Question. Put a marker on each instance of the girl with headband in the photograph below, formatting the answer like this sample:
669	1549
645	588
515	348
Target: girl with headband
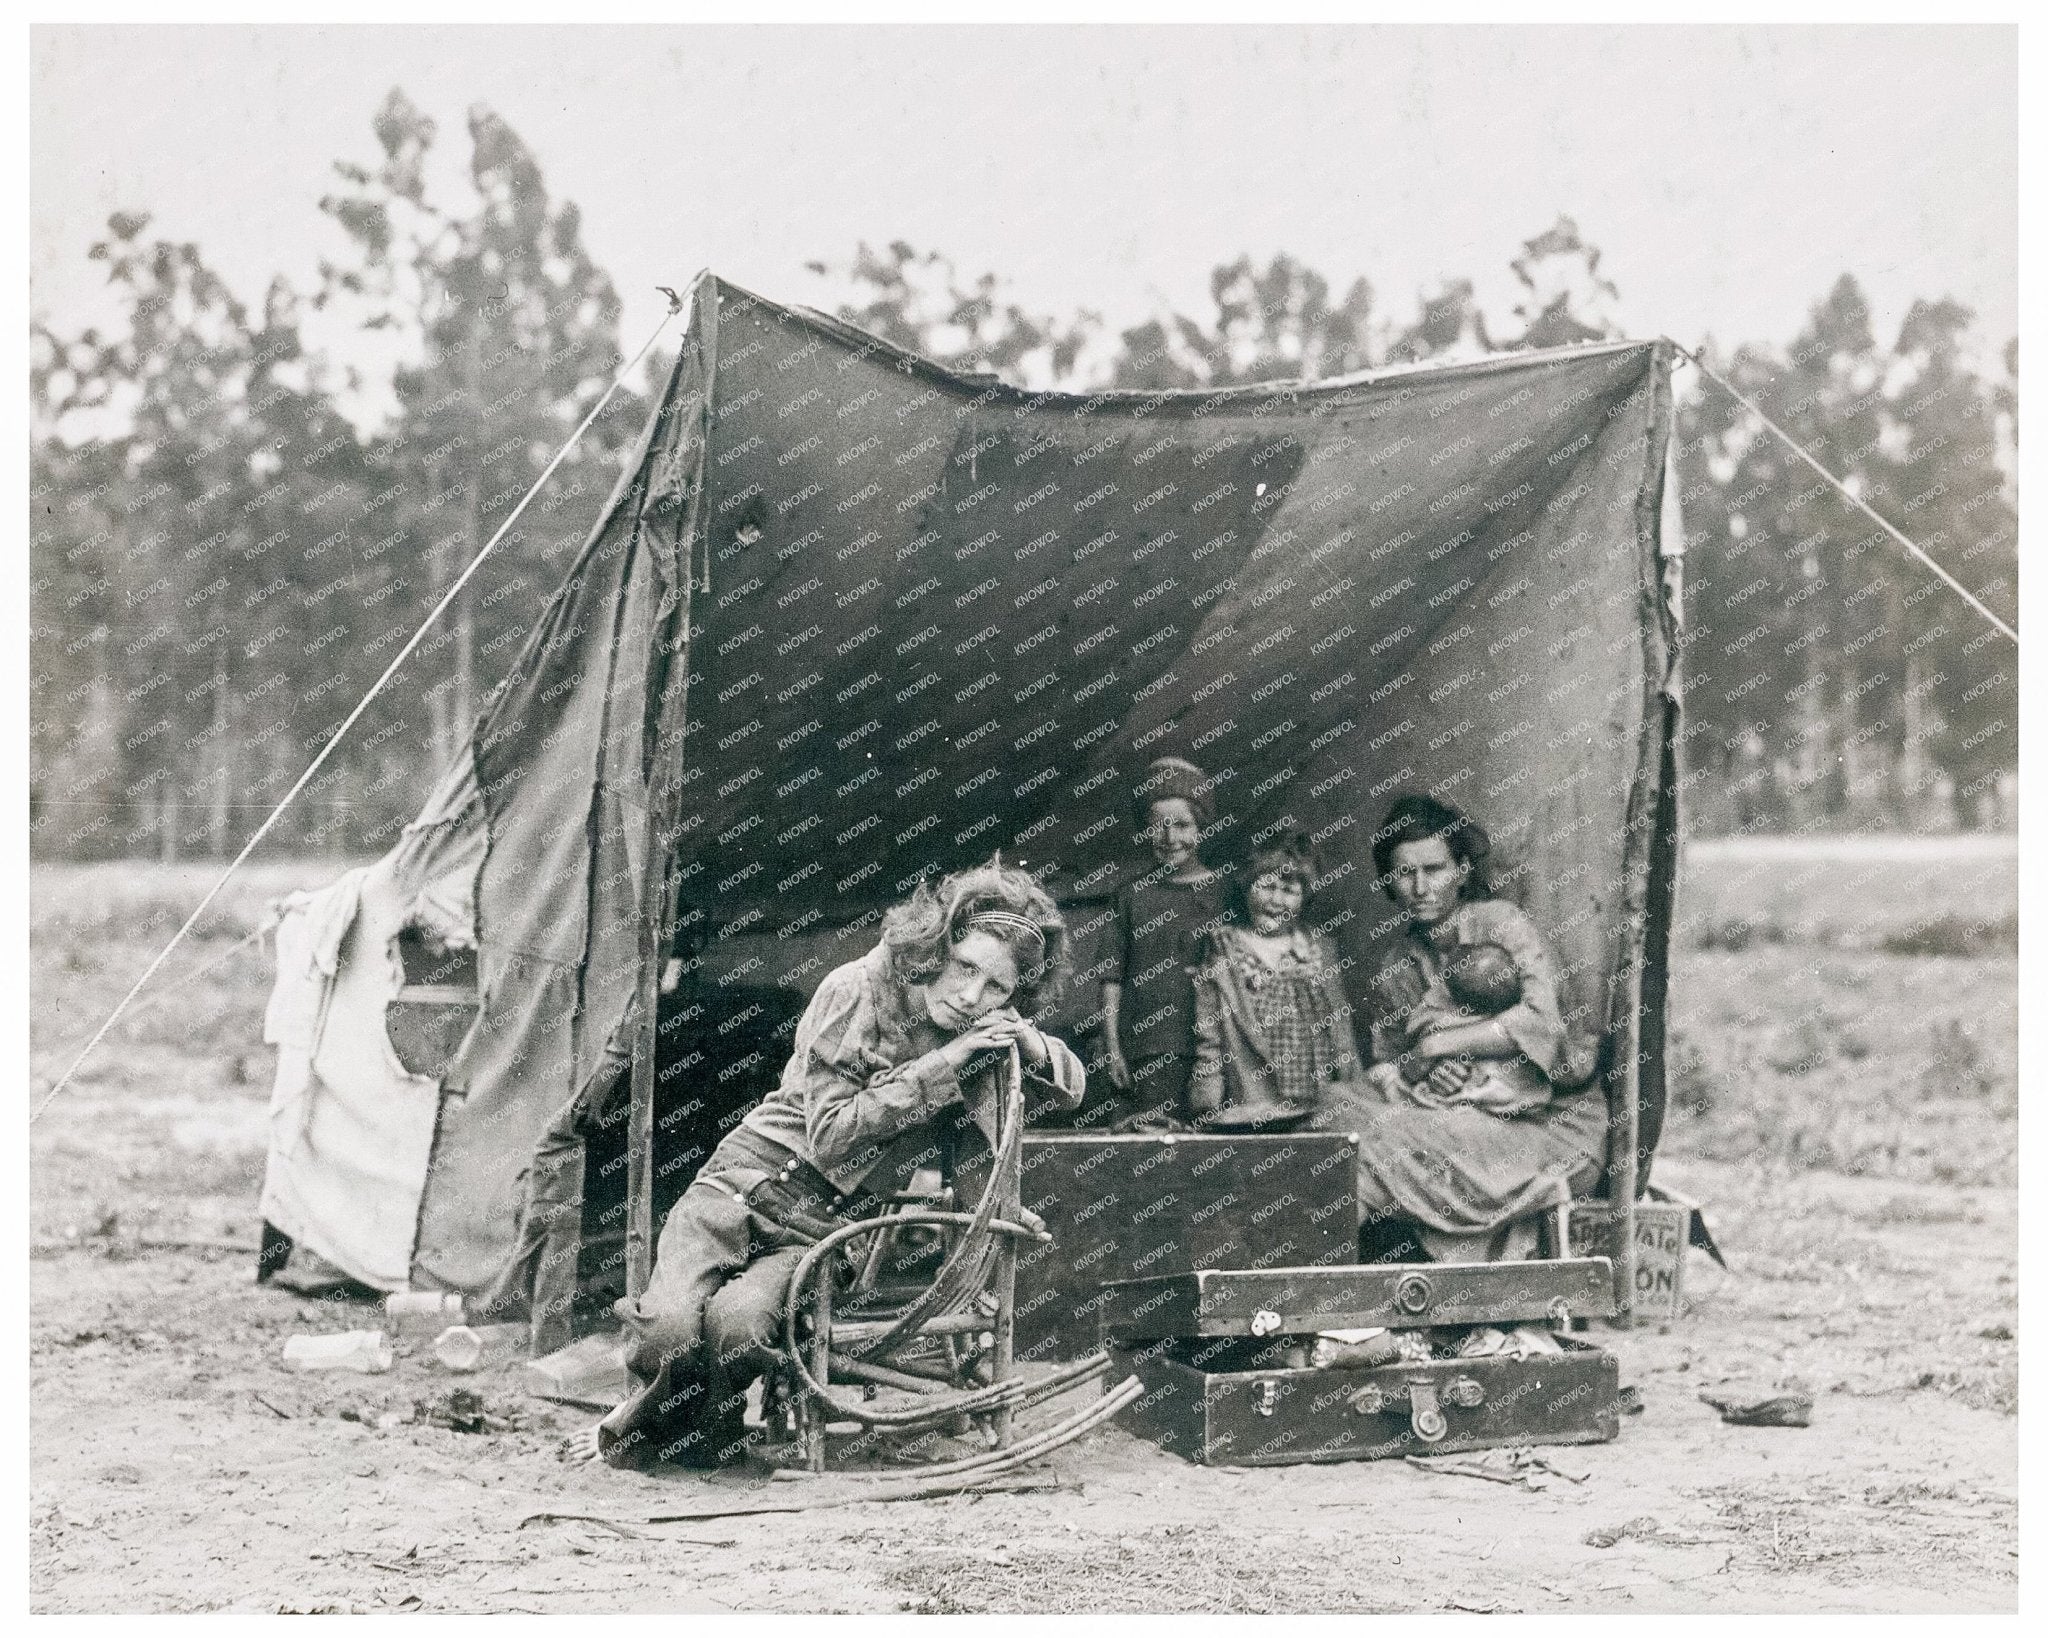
893	1050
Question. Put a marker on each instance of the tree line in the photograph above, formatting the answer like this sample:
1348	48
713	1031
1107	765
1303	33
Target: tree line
226	549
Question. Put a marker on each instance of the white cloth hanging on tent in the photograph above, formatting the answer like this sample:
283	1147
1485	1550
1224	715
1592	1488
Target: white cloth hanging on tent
308	955
351	1130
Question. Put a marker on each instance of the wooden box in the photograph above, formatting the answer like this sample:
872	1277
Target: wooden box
1662	1231
1238	1401
1136	1206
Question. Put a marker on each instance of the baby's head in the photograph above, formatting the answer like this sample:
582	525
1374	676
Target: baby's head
1482	978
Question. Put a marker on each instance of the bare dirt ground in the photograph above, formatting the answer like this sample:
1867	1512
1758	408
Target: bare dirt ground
1845	1107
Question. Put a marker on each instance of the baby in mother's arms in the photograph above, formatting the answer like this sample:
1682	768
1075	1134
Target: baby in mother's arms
1480	982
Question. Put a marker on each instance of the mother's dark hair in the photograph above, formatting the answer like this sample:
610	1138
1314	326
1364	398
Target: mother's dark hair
921	932
1416	818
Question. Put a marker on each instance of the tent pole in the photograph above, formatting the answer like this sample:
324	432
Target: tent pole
1624	1124
640	1118
657	891
1624	1142
1652	984
658	878
658	887
657	910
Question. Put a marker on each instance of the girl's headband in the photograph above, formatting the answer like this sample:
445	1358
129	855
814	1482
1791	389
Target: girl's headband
1010	920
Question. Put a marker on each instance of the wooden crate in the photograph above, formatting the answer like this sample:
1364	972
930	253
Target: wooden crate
1662	1231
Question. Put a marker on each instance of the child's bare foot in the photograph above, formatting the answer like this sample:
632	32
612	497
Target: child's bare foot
581	1446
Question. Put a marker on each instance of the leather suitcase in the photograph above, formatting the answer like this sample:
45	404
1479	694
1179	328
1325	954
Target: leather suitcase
1238	1401
1215	1302
1144	1206
1224	1353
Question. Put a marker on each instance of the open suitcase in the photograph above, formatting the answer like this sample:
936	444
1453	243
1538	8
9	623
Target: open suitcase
1224	1356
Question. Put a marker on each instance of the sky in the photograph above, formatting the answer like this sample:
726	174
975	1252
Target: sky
1729	174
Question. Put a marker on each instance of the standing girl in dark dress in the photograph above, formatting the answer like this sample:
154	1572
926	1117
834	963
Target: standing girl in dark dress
1148	1007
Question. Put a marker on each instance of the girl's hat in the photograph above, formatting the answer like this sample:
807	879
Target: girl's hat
1170	777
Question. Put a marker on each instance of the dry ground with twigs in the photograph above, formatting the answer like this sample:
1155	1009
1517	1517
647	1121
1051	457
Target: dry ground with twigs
1846	1100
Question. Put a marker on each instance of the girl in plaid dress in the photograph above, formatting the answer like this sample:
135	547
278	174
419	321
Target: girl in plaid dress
1273	1033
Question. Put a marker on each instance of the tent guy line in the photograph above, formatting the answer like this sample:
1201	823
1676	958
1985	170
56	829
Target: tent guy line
1848	494
447	598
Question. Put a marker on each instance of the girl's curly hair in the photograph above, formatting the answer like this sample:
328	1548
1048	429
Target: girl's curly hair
920	932
1291	858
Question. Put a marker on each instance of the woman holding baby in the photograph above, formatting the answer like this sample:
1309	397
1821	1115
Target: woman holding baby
1466	1011
1467	1040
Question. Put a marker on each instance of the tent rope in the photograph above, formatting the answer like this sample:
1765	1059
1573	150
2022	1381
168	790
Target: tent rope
1848	494
262	929
448	597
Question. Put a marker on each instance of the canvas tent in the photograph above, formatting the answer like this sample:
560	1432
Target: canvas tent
849	618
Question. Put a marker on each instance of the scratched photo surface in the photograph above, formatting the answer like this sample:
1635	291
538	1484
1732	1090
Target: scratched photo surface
1044	821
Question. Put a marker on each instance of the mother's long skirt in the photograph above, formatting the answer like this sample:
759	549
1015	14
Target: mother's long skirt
1473	1182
